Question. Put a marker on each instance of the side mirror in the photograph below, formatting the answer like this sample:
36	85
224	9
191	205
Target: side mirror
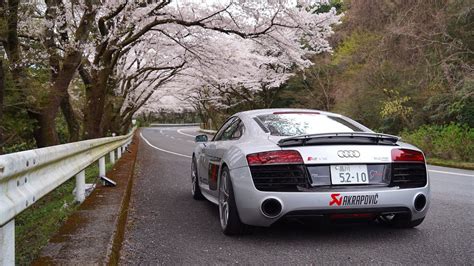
201	138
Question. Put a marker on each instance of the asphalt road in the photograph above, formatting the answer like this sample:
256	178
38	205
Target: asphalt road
166	226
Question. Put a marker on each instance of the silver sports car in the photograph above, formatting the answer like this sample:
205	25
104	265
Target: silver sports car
265	165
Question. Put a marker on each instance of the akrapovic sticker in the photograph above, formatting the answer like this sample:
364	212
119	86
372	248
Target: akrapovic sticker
340	200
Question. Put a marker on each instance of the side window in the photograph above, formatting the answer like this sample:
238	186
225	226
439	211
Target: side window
239	131
224	127
229	132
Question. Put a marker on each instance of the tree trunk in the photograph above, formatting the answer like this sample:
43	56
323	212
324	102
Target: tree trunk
115	122
45	133
95	104
71	119
111	118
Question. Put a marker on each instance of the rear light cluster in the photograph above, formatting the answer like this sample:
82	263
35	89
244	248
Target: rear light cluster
275	157
405	155
281	170
408	169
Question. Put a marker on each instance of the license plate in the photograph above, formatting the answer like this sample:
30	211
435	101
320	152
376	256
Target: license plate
349	174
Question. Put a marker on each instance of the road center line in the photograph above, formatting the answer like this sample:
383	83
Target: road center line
449	173
163	150
182	133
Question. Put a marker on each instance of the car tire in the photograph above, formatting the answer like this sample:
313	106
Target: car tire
400	220
230	221
196	190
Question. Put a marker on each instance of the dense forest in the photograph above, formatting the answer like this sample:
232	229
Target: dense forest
399	67
395	66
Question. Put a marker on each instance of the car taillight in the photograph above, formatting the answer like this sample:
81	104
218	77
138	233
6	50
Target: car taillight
275	157
404	155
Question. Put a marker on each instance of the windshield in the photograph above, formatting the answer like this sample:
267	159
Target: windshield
293	124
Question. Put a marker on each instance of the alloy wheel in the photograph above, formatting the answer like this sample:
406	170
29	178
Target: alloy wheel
224	200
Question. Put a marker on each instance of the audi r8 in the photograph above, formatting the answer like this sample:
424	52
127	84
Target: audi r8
265	165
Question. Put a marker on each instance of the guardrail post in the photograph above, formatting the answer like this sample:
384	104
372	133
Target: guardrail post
112	156
119	152
102	166
81	186
7	243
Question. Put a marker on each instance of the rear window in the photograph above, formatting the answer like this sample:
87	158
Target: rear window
293	124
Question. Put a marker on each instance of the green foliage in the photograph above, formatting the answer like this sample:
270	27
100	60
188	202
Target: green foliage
37	224
166	117
356	48
39	84
326	7
450	142
394	69
16	123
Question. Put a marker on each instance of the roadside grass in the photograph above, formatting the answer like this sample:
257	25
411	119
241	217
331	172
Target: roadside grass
37	224
450	145
451	163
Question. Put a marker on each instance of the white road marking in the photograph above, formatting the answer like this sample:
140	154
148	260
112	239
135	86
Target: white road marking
449	173
182	133
163	150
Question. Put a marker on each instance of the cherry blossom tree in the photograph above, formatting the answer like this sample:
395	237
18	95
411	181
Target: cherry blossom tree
126	51
234	60
49	36
229	70
197	31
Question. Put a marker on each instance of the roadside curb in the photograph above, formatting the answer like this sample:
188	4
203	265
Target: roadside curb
450	165
113	254
208	131
93	234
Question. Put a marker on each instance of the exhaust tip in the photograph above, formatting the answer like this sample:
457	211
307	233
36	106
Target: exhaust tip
271	207
420	202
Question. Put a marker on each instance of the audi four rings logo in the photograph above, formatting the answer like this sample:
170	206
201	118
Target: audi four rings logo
348	154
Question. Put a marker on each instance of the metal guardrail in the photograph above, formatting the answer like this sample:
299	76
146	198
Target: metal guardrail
27	176
208	131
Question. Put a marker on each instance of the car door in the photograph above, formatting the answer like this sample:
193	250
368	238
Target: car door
207	161
220	144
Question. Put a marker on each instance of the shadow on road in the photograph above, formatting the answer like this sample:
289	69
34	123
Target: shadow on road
316	229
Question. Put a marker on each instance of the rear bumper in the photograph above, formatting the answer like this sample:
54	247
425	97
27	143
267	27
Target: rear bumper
358	200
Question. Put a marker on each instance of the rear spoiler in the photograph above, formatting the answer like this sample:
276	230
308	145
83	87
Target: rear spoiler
363	138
